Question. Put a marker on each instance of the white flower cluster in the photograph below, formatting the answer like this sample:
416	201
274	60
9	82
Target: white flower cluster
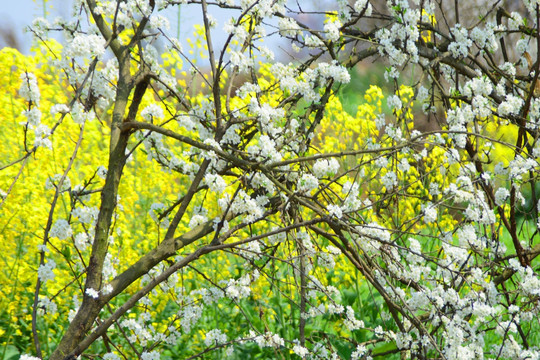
28	357
208	295
501	195
251	250
189	316
511	106
240	288
529	282
313	41
534	115
132	9
267	115
243	62
477	87
300	351
151	112
46	305
45	271
306	183
389	180
263	8
403	33
325	168
307	83
33	117
260	181
248	89
486	38
103	83
152	355
140	332
29	89
520	166
394	102
289	27
244	204
267	339
93	293
331	29
215	183
86	215
79	115
215	337
85	46
333	71
430	213
522	45
515	21
59	108
352	201
334	210
111	356
108	266
61	229
468	238
458	119
360	353
156	209
196	220
351	322
52	183
461	44
101	172
326	259
81	241
30	92
265	150
363	5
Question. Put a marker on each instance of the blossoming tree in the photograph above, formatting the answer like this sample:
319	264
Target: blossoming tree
188	210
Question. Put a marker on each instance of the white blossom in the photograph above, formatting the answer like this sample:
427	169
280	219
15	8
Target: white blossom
152	355
300	351
307	183
394	102
29	88
215	337
45	271
94	294
501	195
86	46
288	27
460	47
511	106
325	168
430	213
28	357
331	29
61	229
111	356
80	115
351	322
334	210
152	112
360	5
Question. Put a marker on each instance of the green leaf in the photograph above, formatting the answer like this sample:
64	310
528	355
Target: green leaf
384	348
10	353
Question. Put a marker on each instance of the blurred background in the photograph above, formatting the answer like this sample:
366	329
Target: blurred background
17	15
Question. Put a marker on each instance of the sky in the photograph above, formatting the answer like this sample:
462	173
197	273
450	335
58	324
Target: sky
18	14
